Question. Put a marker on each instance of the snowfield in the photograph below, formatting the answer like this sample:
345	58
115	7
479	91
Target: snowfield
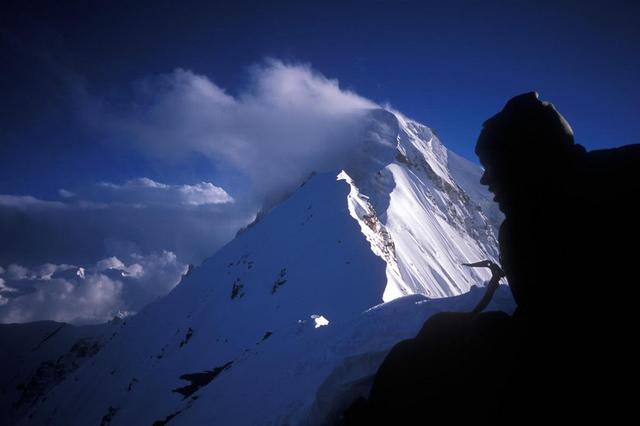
288	323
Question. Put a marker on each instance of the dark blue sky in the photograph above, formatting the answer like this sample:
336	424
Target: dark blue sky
448	64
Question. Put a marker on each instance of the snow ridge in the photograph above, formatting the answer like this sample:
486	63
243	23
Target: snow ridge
288	318
427	224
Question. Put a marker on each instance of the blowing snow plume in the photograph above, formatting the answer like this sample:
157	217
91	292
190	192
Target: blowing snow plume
288	122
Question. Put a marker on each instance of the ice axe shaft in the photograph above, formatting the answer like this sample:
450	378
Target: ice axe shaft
496	274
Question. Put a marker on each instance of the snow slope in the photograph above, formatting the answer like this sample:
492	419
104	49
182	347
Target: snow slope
422	204
285	324
38	355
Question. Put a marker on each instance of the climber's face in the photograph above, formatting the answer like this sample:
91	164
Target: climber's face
502	167
489	179
524	149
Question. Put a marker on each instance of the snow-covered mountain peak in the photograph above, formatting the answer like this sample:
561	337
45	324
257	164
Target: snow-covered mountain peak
243	327
414	213
387	136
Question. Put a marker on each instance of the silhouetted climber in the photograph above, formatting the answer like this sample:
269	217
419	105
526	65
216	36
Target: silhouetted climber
492	286
571	223
562	205
567	247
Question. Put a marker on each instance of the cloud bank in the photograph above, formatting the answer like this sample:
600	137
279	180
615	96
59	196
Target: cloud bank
48	267
108	219
147	192
288	122
90	294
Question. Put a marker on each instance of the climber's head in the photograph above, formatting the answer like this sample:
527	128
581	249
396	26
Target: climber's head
522	146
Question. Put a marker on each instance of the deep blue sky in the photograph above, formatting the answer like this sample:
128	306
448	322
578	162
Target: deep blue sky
448	64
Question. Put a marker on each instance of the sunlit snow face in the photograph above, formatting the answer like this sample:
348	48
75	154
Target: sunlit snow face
319	321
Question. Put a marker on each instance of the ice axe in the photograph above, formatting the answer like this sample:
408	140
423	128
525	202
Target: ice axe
496	274
496	270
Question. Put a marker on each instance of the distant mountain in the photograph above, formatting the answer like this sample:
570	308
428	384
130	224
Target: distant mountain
286	324
37	356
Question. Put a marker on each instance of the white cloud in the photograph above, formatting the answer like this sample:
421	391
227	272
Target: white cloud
95	293
141	192
5	289
288	122
27	202
110	263
96	300
203	193
65	194
17	272
109	219
145	192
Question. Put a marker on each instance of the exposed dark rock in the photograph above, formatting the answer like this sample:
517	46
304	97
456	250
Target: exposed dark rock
106	419
166	419
162	352
236	289
279	281
187	337
199	380
86	347
50	373
132	384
